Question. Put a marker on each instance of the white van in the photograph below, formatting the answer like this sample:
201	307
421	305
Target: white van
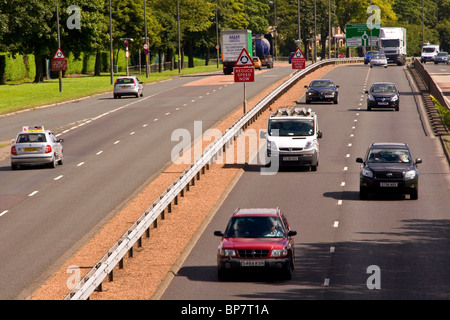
429	52
293	136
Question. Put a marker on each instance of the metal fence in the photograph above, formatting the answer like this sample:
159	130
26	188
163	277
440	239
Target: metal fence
104	267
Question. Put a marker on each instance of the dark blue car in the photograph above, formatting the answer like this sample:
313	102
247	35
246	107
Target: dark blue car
369	55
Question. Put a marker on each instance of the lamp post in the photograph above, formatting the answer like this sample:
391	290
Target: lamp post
111	60
217	36
146	41
179	36
59	45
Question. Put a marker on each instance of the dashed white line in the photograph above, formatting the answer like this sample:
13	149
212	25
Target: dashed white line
80	164
131	133
58	177
345	168
33	193
336	224
116	142
339	204
167	113
99	153
4	212
343	184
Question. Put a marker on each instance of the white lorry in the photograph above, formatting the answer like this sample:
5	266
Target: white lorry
293	137
232	42
392	43
429	52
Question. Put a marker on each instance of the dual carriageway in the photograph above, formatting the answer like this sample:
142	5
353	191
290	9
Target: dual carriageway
114	147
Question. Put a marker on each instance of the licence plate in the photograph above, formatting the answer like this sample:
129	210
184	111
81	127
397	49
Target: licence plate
252	263
290	158
329	96
383	103
30	149
124	87
388	184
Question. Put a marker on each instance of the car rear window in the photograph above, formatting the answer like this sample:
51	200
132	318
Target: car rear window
31	138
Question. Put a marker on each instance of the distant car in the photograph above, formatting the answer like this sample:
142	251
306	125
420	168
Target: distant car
322	90
378	60
258	239
36	146
442	57
389	168
128	86
257	63
369	55
383	95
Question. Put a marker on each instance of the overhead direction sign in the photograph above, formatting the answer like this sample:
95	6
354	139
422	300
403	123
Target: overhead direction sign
359	35
244	59
298	59
59	54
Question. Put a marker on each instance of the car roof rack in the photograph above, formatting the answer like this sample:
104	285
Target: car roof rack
296	111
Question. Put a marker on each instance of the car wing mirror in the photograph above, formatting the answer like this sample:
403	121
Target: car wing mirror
359	160
292	233
60	140
218	233
262	134
319	134
306	86
366	92
418	160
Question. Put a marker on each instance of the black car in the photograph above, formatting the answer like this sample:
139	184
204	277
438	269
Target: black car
389	168
383	95
322	90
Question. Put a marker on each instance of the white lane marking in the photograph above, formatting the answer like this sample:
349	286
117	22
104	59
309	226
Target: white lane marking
348	155
343	184
131	133
336	224
80	164
99	153
339	204
167	113
349	145
33	193
4	212
58	177
345	168
116	142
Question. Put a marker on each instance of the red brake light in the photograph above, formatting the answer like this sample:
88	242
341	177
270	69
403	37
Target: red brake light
13	150
134	82
48	149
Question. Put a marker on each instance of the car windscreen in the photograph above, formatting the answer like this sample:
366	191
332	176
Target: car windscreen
31	138
322	84
428	50
388	156
383	88
255	227
288	128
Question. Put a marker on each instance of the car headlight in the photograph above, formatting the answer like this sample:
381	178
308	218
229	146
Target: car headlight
367	173
394	98
279	252
227	252
411	174
309	145
371	98
271	145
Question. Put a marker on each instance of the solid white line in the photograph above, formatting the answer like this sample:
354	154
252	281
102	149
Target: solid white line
33	193
58	177
4	212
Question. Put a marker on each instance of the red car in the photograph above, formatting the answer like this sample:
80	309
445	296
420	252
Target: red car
256	239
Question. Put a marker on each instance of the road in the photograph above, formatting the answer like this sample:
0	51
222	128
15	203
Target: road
112	148
341	239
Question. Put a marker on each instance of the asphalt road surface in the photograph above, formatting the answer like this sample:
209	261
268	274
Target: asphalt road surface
341	239
112	148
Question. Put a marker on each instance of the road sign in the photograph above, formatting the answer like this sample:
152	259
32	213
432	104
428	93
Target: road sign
244	59
145	46
358	35
127	54
59	54
244	74
59	64
298	60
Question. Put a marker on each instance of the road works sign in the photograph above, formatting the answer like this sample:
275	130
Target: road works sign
59	54
298	60
358	35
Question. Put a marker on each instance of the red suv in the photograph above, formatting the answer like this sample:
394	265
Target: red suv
256	239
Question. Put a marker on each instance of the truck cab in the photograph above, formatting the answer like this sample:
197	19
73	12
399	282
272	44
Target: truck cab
429	53
293	136
393	44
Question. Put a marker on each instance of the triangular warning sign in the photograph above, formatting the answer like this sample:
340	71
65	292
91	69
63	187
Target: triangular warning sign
244	59
298	54
59	54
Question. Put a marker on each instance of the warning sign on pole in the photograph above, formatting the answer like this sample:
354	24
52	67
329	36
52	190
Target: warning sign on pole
244	59
298	60
59	54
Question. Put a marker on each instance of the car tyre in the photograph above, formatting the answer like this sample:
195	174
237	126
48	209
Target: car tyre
336	100
53	163
363	193
14	166
222	275
414	195
61	161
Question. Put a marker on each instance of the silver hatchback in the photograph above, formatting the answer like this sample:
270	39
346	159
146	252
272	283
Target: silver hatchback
35	146
128	86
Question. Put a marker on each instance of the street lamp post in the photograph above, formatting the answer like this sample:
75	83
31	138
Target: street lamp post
179	36
59	45
111	60
146	41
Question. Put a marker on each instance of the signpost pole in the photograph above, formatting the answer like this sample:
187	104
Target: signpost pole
245	100
59	45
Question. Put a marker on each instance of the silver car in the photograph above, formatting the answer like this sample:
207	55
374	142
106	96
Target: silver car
128	86
35	146
378	60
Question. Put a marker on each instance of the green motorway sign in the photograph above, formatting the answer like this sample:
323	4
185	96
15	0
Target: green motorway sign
359	35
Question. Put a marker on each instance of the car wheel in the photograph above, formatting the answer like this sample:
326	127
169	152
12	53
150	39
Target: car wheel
314	167
14	166
53	163
308	101
336	100
414	195
61	160
369	108
222	275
